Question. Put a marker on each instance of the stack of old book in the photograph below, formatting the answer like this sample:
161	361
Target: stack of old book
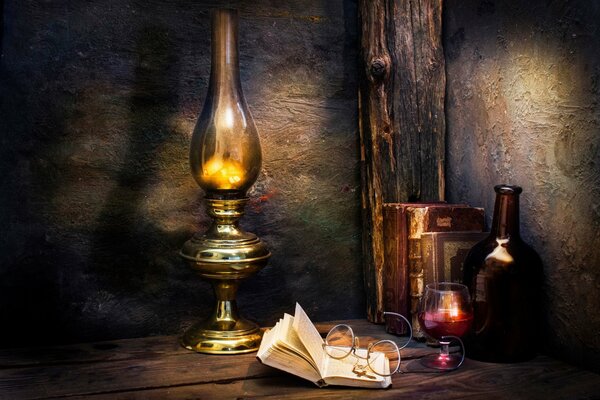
424	243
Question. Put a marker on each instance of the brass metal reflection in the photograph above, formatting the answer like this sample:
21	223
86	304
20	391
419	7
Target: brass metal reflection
224	255
225	159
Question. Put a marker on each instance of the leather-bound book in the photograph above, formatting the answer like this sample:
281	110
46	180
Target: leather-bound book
403	285
396	288
445	218
444	253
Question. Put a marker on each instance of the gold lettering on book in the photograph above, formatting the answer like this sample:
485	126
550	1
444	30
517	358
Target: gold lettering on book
445	222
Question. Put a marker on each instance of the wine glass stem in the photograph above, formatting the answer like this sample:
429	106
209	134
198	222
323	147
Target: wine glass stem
444	344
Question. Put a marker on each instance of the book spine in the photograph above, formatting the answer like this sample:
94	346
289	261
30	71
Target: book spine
415	218
429	261
395	281
429	252
415	265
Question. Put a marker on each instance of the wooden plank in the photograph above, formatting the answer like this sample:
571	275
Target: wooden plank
114	376
431	81
133	349
415	35
402	126
133	364
153	368
375	126
126	349
542	379
115	350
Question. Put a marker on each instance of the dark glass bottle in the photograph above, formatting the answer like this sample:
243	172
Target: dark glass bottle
504	276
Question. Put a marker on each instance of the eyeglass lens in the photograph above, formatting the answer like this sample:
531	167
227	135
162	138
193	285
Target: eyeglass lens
339	341
379	351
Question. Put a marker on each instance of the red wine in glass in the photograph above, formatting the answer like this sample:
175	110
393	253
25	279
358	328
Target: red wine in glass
438	324
445	314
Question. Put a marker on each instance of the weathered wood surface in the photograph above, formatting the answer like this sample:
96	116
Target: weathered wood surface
402	125
158	368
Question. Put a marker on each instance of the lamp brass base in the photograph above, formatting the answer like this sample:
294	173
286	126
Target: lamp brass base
203	340
224	255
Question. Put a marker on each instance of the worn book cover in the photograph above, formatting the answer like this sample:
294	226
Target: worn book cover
396	294
436	218
443	254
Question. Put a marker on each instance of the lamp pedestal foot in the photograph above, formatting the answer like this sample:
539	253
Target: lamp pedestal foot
224	255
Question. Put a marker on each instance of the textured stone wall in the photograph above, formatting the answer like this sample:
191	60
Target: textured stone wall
523	107
98	100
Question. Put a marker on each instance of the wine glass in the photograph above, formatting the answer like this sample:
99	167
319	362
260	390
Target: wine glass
445	314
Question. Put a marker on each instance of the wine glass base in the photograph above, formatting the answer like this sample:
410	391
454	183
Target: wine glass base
441	361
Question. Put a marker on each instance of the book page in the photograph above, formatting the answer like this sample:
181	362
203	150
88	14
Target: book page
354	371
266	343
289	341
278	356
294	345
309	336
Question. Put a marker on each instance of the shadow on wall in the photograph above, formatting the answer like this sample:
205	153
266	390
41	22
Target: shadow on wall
1	23
128	248
30	293
305	110
96	197
89	146
124	239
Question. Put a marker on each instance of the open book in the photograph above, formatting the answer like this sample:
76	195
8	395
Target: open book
295	346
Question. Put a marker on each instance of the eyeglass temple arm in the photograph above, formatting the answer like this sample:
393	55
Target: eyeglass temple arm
407	324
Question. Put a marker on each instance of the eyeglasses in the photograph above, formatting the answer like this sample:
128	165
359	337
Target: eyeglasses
382	357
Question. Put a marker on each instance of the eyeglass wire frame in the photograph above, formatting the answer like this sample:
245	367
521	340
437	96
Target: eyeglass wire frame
355	345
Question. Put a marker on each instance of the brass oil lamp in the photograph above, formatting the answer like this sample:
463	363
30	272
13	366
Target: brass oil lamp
225	159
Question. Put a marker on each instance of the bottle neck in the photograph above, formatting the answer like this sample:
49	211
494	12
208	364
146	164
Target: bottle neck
506	216
224	44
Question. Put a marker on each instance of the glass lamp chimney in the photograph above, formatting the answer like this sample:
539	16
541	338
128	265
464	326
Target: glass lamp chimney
225	154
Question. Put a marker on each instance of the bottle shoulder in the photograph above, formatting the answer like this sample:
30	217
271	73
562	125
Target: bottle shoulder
512	253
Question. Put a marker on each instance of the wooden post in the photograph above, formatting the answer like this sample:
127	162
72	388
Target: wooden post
402	124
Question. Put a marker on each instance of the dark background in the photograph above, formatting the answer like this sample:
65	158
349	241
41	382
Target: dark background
98	100
523	107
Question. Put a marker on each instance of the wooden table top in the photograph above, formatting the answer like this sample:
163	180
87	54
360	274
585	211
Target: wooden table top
158	368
